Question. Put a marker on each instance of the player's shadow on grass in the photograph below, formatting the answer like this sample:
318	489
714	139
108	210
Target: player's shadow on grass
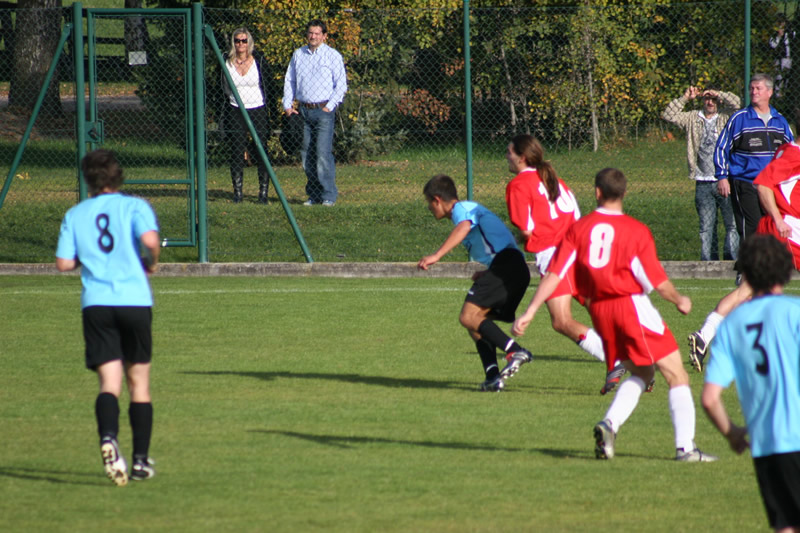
382	381
52	476
350	441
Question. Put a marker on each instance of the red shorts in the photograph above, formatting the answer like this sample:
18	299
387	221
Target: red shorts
631	329
767	225
567	287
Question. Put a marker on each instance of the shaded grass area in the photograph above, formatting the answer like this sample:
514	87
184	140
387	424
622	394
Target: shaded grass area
380	214
344	405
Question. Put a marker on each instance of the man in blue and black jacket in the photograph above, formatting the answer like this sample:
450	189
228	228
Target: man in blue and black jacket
744	148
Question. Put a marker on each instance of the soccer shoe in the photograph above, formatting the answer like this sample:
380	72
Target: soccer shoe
604	438
113	462
697	350
651	385
515	360
694	456
143	469
493	385
612	379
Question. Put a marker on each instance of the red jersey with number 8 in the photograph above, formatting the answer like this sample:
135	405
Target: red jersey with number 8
613	255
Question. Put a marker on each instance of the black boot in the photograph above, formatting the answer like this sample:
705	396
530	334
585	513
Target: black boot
237	187
263	188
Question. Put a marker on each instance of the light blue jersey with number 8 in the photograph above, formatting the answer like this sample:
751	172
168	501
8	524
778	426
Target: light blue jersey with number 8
103	234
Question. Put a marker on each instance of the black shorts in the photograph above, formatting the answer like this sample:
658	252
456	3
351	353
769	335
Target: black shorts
117	332
779	480
502	287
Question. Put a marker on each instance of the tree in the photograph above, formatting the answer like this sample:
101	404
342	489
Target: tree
38	30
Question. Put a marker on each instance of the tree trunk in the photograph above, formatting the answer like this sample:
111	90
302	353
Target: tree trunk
511	95
136	35
38	29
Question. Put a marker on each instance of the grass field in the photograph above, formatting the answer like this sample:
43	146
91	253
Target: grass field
317	404
380	215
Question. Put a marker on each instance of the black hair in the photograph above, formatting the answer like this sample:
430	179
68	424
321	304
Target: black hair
319	24
101	170
611	182
440	186
765	262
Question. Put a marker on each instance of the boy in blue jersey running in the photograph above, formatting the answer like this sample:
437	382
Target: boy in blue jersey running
757	345
496	292
105	235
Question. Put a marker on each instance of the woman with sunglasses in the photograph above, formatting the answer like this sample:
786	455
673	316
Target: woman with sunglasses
252	77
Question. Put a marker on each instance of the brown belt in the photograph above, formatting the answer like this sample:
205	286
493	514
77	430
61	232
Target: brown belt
308	105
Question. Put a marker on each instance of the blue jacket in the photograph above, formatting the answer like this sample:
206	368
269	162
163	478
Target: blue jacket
745	146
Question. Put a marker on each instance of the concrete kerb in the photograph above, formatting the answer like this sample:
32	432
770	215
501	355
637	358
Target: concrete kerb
674	269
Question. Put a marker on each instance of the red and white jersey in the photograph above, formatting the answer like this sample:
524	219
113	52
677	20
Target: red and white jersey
530	210
782	175
613	255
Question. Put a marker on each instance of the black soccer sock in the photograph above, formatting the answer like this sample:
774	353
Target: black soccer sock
106	410
488	353
141	417
492	332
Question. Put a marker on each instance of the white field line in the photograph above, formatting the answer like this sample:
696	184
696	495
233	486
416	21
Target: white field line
177	292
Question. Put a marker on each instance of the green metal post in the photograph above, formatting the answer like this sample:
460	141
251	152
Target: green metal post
747	52
36	108
189	126
80	87
200	133
261	153
467	99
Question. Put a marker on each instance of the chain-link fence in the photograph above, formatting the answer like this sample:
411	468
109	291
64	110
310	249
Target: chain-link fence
590	82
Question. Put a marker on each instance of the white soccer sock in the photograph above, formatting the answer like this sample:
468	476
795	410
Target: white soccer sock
593	345
625	401
681	409
709	329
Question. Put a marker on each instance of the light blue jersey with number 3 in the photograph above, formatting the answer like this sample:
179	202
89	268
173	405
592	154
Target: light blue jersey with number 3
758	345
103	234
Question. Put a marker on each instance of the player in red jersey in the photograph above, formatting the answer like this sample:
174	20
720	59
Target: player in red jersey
542	208
779	194
616	266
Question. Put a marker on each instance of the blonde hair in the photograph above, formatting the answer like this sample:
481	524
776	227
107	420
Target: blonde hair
250	44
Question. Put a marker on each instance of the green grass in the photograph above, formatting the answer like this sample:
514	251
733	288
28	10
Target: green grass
322	404
380	215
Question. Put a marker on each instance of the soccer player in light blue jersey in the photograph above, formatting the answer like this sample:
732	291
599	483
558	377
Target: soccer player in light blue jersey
496	292
758	346
104	235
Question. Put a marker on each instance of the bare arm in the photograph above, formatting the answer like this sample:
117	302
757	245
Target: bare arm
668	291
152	249
65	265
454	239
767	197
712	404
543	292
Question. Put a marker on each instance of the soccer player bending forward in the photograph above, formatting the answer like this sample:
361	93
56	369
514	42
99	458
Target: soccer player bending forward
615	262
103	235
757	345
496	292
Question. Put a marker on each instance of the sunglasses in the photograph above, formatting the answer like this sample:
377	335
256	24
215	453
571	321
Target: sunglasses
240	41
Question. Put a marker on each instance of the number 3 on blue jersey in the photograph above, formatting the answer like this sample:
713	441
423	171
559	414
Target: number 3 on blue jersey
763	367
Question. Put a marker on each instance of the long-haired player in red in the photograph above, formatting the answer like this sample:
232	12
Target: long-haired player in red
542	208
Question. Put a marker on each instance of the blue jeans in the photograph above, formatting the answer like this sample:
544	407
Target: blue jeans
317	154
707	200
